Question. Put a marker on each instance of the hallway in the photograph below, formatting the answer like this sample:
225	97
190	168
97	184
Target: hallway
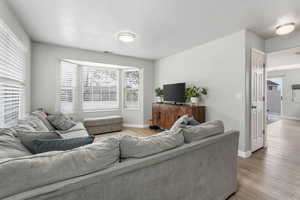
273	173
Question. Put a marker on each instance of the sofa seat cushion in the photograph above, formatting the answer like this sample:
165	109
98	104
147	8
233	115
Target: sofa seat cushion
139	147
204	130
60	121
103	120
10	146
25	173
43	117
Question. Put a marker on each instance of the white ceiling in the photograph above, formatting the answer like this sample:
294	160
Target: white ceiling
164	27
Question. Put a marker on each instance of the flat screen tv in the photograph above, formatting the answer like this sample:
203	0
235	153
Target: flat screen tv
174	93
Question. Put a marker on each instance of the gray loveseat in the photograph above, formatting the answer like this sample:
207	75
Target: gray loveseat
204	170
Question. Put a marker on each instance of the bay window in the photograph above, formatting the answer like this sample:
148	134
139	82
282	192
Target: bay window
92	88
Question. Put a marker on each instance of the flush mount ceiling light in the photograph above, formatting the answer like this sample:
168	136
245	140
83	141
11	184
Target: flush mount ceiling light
285	29
126	36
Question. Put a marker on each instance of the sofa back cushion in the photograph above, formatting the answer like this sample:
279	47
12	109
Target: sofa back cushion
60	121
43	117
138	147
201	131
25	173
10	146
34	122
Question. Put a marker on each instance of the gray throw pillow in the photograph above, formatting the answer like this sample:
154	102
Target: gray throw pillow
46	145
27	138
139	147
10	146
43	117
199	132
181	122
60	121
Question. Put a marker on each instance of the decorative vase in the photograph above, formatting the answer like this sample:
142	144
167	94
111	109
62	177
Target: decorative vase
159	99
194	100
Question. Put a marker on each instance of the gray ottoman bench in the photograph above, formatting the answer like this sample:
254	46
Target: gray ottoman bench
101	125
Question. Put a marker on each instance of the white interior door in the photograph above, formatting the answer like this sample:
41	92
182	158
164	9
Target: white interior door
257	99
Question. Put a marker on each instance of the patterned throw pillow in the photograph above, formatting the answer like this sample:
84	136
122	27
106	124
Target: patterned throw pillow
192	121
60	121
45	145
180	123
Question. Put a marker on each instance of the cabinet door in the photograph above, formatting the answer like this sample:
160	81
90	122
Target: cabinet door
156	115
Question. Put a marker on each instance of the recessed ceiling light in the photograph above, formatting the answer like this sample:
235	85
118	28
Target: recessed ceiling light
126	36
285	29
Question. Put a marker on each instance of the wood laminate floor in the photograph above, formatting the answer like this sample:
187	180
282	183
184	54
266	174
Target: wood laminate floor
272	173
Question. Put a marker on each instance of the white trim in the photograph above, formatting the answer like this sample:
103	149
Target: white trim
288	117
136	125
244	154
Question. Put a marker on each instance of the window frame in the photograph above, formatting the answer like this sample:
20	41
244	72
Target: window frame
14	51
139	104
82	90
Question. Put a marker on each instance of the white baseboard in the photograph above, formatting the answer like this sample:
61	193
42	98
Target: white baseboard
244	154
288	117
136	125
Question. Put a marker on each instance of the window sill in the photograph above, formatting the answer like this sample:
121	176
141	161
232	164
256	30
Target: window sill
101	110
133	109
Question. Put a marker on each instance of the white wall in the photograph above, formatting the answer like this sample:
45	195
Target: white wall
10	19
223	67
290	108
45	65
218	66
283	42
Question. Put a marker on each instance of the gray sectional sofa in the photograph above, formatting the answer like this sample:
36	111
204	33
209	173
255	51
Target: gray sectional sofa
168	168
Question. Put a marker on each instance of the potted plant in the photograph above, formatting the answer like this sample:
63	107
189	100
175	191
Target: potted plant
193	94
159	95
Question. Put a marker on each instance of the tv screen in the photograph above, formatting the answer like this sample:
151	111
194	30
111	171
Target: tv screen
174	92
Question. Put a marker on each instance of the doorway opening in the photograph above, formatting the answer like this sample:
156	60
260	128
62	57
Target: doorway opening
274	99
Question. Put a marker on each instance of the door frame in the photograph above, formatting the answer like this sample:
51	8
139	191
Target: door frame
264	97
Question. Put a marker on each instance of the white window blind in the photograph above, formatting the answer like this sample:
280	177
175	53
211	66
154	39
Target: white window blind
131	88
67	87
12	77
100	88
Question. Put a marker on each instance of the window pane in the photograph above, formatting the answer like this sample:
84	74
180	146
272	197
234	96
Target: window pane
100	88
67	87
131	79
